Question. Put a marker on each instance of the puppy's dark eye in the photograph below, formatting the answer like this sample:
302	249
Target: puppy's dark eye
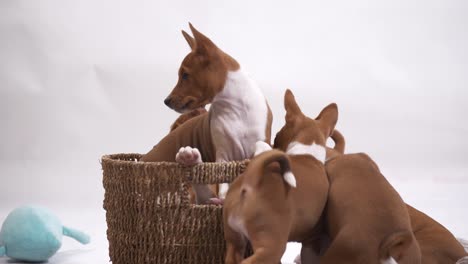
185	76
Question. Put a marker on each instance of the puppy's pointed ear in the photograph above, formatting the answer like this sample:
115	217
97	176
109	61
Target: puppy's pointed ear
190	40
203	43
290	105
327	119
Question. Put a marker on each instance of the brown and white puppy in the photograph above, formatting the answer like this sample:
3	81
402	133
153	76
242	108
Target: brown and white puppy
437	244
281	195
367	220
239	115
323	242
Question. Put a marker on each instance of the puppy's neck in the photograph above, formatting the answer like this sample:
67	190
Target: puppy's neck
238	116
239	92
317	151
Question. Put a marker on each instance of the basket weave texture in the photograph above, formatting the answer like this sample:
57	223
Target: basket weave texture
150	218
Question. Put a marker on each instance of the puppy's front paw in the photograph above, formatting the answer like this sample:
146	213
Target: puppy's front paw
188	156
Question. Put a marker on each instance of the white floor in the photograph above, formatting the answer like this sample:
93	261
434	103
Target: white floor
443	199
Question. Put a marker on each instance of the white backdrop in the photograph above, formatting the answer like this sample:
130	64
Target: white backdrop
79	79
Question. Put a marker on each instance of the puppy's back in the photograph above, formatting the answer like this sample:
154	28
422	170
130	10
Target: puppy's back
358	189
363	205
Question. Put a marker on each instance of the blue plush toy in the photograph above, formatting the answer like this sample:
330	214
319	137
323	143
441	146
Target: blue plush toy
34	234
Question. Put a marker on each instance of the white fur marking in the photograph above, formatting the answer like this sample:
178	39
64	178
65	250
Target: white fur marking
317	151
390	260
463	260
223	188
260	147
290	179
238	117
236	223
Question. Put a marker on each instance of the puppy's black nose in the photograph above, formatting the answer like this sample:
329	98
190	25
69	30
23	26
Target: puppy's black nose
167	101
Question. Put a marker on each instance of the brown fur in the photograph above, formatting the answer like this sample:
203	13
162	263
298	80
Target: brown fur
179	121
319	129
349	247
366	218
438	245
186	116
339	147
271	211
191	133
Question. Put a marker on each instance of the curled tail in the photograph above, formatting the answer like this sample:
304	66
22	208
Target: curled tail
2	251
394	246
339	141
261	161
77	235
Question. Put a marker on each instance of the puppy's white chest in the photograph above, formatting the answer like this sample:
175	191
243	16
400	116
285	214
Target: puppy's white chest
235	139
238	118
236	223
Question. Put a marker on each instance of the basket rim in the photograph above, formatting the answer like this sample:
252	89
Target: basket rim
203	173
114	158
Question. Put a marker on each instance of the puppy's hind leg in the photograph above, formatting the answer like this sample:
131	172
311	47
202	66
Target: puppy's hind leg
235	251
341	250
309	254
267	248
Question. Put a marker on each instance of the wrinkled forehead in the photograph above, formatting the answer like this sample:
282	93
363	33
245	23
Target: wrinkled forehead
307	131
188	60
311	124
193	61
301	123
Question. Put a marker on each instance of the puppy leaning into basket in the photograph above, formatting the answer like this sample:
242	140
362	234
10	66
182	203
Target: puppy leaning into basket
280	197
238	117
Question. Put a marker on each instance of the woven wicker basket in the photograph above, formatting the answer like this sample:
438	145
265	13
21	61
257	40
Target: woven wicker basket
149	216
